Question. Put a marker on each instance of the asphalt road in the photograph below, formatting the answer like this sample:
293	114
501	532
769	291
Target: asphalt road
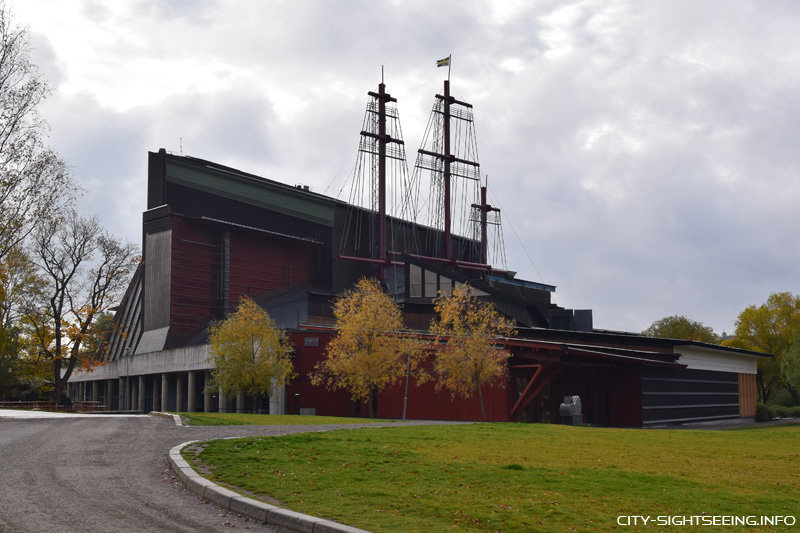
98	474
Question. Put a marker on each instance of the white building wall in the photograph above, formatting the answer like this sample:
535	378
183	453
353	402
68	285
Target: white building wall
702	358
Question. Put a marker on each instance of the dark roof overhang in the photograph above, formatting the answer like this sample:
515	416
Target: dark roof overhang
627	355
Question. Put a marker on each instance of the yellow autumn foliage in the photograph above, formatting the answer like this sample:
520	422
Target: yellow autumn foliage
466	358
368	352
249	353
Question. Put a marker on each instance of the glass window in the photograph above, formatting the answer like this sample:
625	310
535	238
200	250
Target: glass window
445	286
430	284
414	281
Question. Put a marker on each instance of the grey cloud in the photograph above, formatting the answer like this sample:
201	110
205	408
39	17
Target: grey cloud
649	169
105	149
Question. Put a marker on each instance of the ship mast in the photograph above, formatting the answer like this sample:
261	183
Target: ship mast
484	209
382	97
451	124
380	140
449	153
446	162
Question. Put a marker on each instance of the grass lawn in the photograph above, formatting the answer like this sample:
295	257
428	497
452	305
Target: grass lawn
517	477
245	419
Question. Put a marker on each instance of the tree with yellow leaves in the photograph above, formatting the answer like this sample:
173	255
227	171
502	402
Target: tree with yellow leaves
249	353
770	328
367	354
466	358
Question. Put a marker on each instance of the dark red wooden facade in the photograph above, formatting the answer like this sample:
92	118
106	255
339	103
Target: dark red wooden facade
214	234
259	266
193	273
610	389
424	401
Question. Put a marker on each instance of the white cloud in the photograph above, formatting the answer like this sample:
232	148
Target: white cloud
644	152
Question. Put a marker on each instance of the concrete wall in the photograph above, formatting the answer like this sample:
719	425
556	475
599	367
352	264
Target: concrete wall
177	360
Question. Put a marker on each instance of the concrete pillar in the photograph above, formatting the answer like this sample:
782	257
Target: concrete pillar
192	389
240	402
156	393
130	394
123	405
164	392
179	388
206	392
223	401
95	391
142	393
133	387
110	394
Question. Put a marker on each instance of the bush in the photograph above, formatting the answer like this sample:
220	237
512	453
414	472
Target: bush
783	397
764	412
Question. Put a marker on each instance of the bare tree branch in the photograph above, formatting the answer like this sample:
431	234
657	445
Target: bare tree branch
34	182
85	271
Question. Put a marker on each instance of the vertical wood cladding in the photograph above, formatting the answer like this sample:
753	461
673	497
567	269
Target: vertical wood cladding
213	266
424	401
157	280
222	275
193	269
307	354
747	395
259	265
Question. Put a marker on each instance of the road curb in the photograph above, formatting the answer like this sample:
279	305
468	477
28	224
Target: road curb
175	418
236	503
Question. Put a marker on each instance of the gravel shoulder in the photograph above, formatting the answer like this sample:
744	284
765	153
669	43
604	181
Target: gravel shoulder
96	474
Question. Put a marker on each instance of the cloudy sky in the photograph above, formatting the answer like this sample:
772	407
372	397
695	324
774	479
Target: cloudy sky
644	153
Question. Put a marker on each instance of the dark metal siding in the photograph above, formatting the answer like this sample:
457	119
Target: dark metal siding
156	174
671	395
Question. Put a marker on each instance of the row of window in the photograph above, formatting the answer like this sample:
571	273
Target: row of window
424	283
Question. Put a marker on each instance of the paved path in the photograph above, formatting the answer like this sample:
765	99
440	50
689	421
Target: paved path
92	473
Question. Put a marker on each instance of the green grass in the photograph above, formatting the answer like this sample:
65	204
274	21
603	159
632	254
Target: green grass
516	477
245	419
